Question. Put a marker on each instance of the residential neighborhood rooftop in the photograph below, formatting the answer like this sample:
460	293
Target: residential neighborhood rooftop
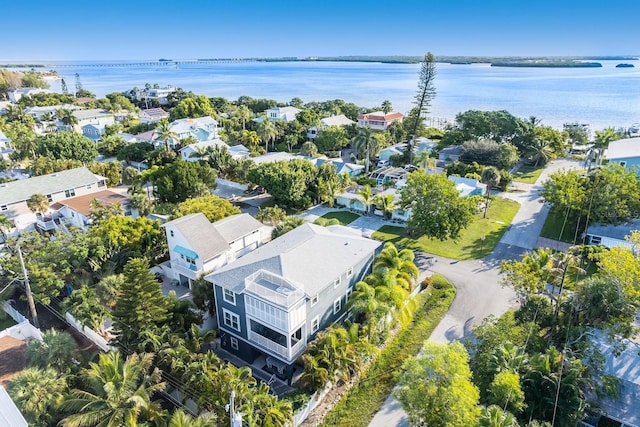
236	226
623	148
82	204
20	190
310	255
202	236
614	231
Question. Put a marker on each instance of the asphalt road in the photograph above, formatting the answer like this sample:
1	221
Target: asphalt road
478	290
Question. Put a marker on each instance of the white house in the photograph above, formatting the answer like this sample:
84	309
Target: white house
236	151
201	128
76	209
95	116
280	114
157	94
468	186
152	115
378	120
56	187
339	120
611	235
16	94
197	246
5	146
10	415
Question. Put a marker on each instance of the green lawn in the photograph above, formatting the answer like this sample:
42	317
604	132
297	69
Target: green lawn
553	226
470	244
345	217
357	407
528	174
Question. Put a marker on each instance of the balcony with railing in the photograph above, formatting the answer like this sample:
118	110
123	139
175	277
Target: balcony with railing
273	288
287	353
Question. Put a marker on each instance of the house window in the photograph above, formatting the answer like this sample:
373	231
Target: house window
190	260
171	233
596	240
230	296
315	324
4	207
350	272
314	300
623	164
337	305
101	184
234	343
231	320
70	193
337	282
348	294
89	187
49	198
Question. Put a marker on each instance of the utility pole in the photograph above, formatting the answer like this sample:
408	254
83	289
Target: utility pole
32	306
236	419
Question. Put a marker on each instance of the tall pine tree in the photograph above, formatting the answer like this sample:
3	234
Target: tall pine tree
140	307
422	101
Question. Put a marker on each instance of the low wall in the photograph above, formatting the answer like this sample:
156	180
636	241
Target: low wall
91	335
316	399
15	314
23	331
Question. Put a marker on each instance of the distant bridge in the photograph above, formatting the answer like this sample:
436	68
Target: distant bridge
155	63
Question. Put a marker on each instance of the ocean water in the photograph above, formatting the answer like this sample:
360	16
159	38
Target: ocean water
601	97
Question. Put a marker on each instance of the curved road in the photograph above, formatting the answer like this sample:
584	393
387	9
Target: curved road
479	293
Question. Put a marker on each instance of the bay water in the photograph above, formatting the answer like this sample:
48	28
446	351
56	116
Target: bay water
601	97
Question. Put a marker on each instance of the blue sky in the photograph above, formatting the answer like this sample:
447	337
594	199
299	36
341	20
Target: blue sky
186	29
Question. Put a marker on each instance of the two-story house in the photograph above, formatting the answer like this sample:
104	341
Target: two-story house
201	129
274	300
16	94
155	94
192	152
56	187
94	116
280	114
197	246
378	120
339	120
152	115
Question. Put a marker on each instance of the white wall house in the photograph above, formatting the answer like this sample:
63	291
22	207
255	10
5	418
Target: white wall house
56	187
280	114
76	210
96	116
197	246
152	115
612	235
190	152
16	94
158	94
201	128
339	120
378	120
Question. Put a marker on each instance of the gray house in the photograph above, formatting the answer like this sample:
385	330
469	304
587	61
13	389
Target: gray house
274	300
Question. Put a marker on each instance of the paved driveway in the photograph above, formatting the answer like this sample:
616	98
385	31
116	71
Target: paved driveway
478	291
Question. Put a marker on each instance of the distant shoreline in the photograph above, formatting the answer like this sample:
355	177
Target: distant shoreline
496	61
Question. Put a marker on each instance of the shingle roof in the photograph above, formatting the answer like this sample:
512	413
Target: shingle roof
237	226
21	190
88	114
614	231
309	255
201	235
82	204
339	120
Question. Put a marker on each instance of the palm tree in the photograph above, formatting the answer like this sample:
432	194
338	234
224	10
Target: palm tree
56	350
267	131
118	393
314	375
67	117
182	419
164	133
243	113
365	305
386	203
363	144
494	416
38	203
400	262
424	159
38	393
601	142
491	177
540	150
366	197
386	106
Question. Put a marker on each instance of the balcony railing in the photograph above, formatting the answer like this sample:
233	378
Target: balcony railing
289	354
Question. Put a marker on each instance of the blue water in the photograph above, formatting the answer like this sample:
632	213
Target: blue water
602	97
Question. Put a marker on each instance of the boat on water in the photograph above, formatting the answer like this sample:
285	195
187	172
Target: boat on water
624	66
